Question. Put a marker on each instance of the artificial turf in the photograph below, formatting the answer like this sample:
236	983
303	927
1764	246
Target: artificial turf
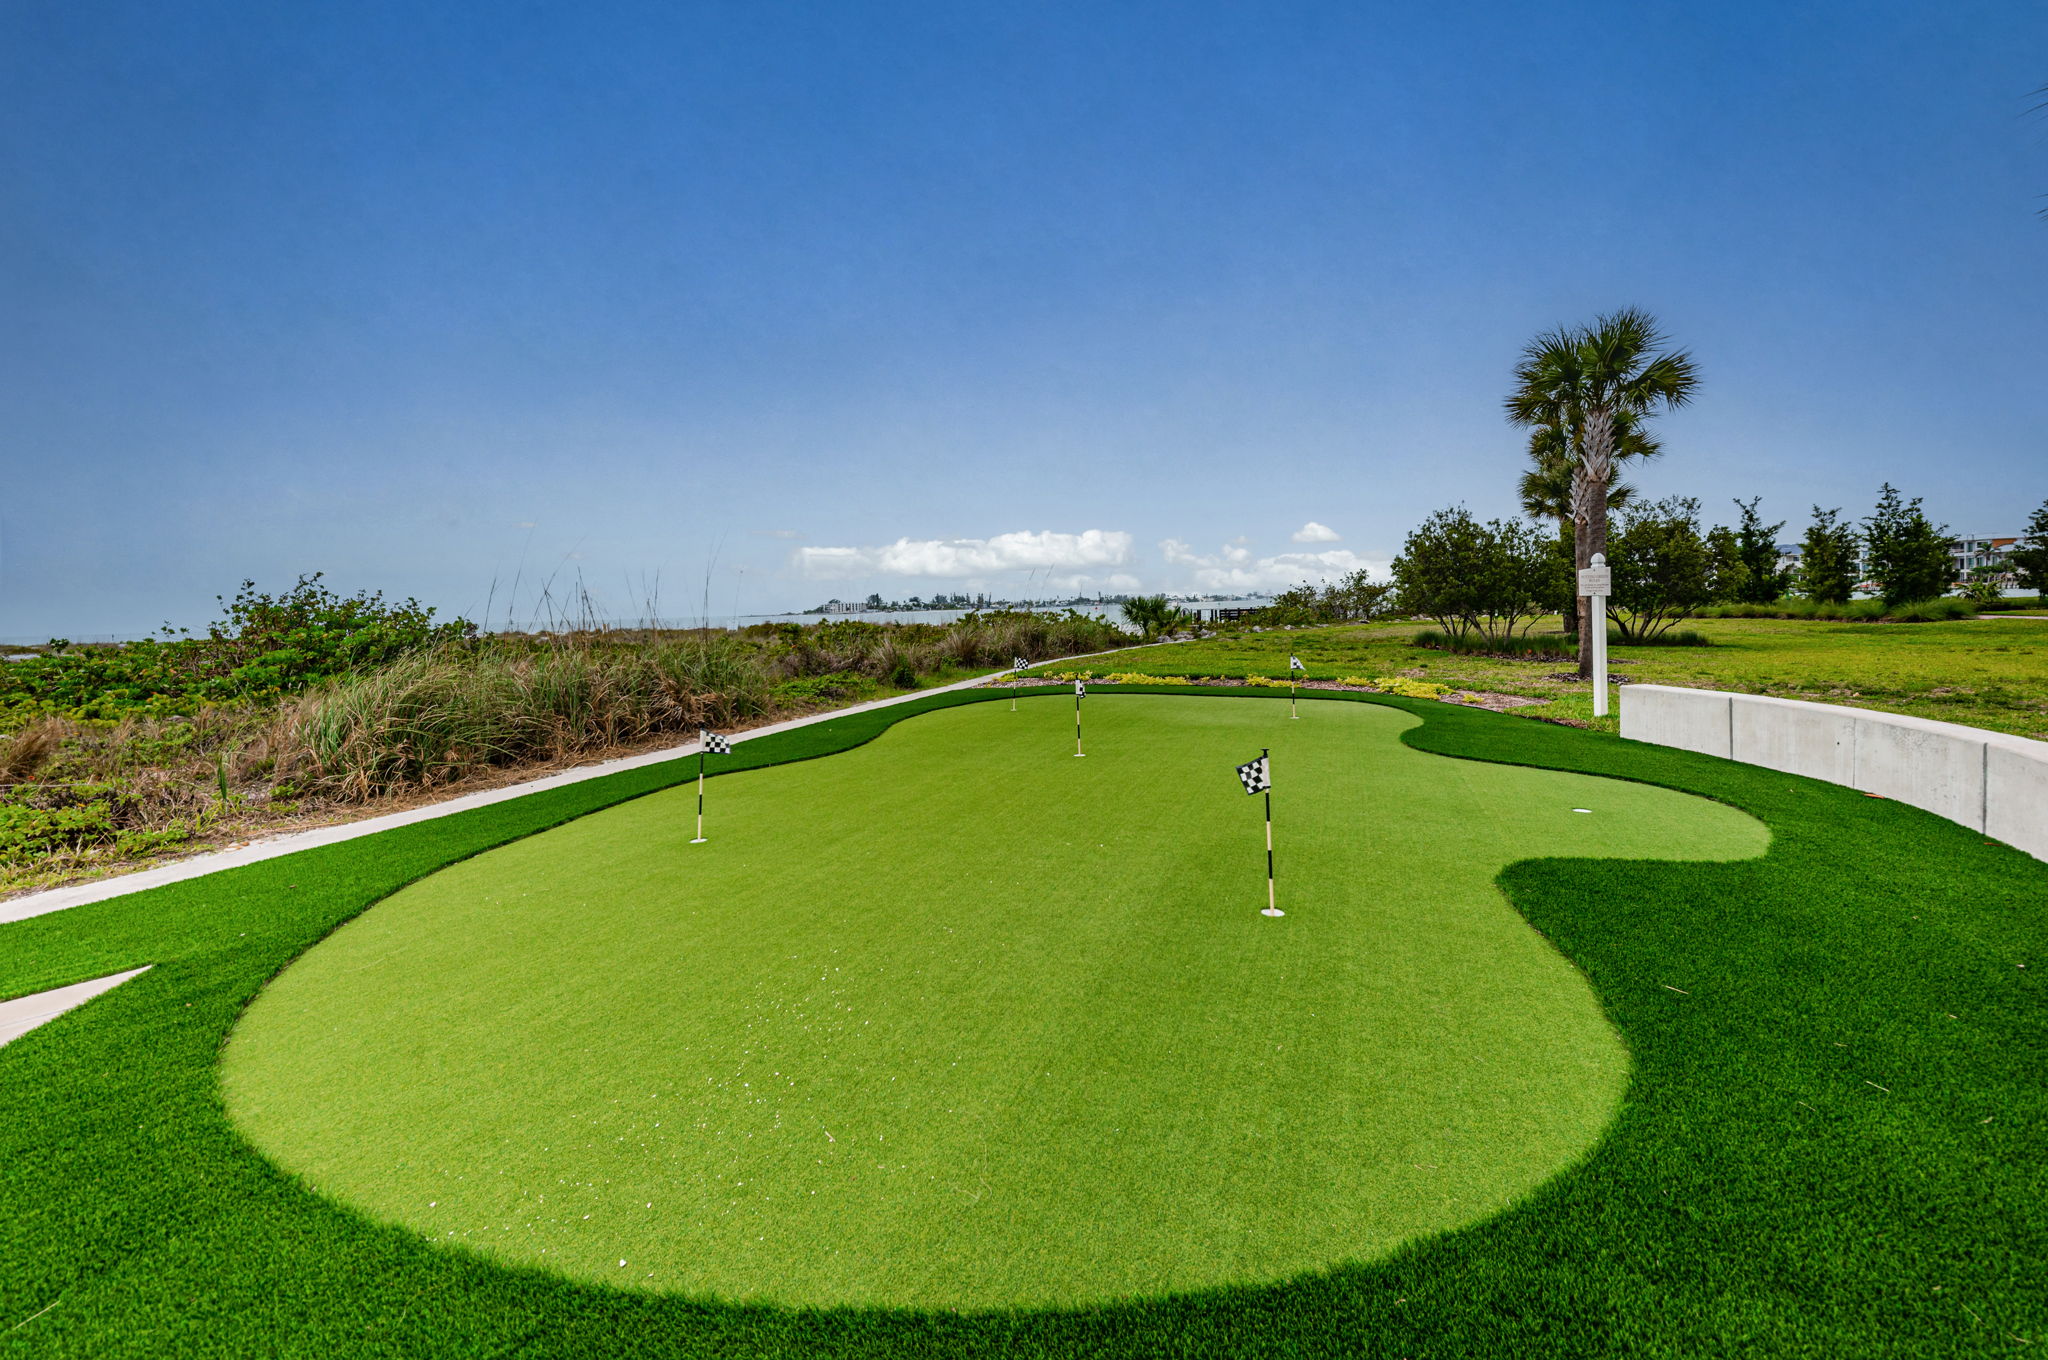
881	1044
1831	1143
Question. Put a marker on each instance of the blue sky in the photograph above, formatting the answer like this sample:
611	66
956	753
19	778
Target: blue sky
806	300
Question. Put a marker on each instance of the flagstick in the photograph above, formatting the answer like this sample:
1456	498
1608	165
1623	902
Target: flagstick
1013	691
700	788
1078	752
1271	908
1292	685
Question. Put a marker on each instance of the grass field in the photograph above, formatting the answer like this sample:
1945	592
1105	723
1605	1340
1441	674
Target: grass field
876	1045
1990	673
1830	1144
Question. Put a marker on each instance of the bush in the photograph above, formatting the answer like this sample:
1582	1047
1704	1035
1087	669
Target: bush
1942	610
818	689
1151	615
1682	637
1552	647
1661	567
1355	599
1398	684
1938	610
263	646
1517	648
1478	579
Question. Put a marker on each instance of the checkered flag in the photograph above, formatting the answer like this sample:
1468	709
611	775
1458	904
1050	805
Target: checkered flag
1018	663
1080	688
717	745
1294	664
1255	775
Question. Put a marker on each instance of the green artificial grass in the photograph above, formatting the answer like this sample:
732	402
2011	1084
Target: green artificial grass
1831	1143
882	1044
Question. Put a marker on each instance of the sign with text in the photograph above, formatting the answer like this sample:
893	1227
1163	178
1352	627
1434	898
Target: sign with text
1596	581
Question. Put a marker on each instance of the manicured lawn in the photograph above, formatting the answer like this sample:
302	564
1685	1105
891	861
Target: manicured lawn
877	1044
1830	1144
1990	673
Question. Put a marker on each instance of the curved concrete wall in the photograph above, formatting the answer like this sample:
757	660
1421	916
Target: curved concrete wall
1987	781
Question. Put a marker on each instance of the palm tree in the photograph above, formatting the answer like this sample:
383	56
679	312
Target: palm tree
1580	381
1546	486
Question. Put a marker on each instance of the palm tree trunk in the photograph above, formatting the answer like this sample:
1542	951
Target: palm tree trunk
1567	537
1589	510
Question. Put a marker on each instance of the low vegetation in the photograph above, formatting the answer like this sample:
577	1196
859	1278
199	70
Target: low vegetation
1943	609
1549	646
305	705
1990	673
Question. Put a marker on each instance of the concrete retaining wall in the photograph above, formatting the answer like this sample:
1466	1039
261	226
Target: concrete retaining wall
1987	781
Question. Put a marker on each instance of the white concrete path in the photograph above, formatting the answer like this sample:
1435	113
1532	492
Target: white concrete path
24	1013
197	866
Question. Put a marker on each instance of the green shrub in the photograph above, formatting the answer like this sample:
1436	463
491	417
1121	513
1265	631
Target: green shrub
1940	610
818	689
261	647
1550	647
1682	637
1514	646
1852	611
43	820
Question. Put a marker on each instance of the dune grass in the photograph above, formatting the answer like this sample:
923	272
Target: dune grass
1831	1143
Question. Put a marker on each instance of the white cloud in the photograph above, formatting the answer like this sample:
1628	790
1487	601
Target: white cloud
955	558
1313	532
1233	568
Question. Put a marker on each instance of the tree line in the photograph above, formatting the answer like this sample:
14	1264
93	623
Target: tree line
1588	396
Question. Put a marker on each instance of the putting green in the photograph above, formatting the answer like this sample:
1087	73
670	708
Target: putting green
956	1020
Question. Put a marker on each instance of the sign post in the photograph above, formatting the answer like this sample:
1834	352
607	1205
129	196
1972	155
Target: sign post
1596	583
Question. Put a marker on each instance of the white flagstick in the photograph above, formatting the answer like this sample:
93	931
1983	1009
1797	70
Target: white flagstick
1272	909
1080	688
700	788
1294	669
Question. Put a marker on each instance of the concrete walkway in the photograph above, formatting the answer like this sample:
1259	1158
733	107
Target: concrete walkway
24	1013
197	866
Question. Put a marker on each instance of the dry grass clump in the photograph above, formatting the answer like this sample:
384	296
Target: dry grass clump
883	651
437	716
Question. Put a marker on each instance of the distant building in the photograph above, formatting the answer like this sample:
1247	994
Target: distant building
1968	553
1972	553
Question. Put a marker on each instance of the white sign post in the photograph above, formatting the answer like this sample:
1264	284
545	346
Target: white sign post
1596	583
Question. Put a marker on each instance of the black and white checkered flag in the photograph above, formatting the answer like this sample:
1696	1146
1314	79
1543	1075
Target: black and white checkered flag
1018	663
1080	688
717	745
1294	664
1255	775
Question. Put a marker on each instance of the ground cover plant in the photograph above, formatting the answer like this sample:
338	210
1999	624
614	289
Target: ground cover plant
1944	609
1830	1143
1990	673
